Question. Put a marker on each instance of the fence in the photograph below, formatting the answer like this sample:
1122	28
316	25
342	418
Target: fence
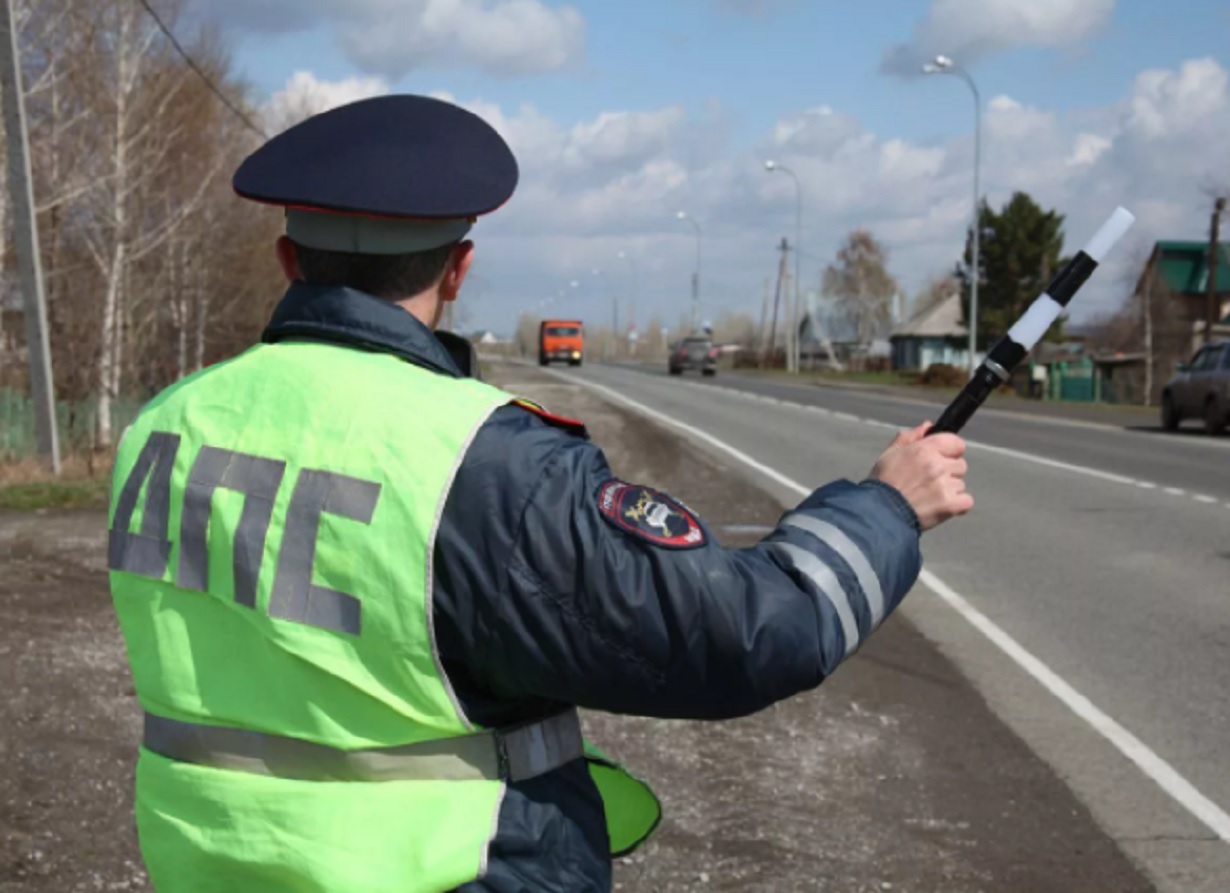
1076	381
78	423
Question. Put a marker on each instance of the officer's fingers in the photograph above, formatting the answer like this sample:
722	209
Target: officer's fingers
961	503
958	468
905	438
950	446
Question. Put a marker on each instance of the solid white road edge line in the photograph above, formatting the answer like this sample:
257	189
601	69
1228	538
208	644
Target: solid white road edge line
1162	773
977	445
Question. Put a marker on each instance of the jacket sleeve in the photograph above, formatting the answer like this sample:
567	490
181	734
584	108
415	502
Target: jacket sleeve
539	595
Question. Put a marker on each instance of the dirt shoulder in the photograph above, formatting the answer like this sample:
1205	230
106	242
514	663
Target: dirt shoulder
893	776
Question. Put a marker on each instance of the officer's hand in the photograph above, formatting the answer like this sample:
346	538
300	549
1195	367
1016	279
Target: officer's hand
929	472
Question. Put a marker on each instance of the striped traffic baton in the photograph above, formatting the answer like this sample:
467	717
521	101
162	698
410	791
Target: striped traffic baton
1008	353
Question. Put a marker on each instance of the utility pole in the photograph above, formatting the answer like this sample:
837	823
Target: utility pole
784	248
25	236
1211	308
764	321
1151	271
615	326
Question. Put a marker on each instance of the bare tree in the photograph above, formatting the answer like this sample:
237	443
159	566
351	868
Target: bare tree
860	281
142	93
735	328
526	336
153	269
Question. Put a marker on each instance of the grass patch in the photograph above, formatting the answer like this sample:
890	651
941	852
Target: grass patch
55	495
27	485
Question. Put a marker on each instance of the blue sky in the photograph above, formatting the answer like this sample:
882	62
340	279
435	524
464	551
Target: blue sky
645	53
719	78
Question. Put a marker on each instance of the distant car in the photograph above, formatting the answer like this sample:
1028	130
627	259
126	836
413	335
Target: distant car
693	353
1200	389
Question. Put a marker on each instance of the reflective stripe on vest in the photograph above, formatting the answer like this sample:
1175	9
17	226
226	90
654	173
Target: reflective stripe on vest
517	753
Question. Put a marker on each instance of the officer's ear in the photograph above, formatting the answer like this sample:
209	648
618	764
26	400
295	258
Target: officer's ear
288	259
455	272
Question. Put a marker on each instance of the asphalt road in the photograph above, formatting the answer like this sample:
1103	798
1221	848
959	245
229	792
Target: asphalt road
1188	460
1116	588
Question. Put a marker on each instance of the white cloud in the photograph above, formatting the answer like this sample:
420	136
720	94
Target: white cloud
305	95
392	37
1168	105
622	136
1088	149
614	181
508	37
815	130
971	29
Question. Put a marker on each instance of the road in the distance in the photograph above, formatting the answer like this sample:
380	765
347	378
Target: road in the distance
1122	592
1188	461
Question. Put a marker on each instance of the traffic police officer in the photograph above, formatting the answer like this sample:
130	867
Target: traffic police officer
363	593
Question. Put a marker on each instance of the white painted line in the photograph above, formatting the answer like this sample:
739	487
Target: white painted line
1162	773
1003	451
1207	500
1165	775
664	419
1054	463
1025	457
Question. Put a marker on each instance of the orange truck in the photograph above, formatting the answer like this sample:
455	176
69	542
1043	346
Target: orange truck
561	339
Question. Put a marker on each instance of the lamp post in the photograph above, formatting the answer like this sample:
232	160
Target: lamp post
944	65
683	215
793	343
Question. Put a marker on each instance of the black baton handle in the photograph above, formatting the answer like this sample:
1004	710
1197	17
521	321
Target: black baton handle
966	403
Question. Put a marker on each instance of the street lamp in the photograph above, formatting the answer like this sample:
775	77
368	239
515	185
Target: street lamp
944	65
793	343
683	215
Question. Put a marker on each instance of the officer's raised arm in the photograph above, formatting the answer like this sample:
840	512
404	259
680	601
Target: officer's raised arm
585	589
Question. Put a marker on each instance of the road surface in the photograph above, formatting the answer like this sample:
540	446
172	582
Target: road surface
1098	558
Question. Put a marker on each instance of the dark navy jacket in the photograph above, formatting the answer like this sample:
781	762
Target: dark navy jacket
540	601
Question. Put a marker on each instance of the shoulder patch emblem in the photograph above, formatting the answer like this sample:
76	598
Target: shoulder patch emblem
650	515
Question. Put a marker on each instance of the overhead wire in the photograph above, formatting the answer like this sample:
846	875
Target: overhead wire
200	72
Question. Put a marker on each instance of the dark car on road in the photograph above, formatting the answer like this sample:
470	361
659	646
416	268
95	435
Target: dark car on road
694	353
1200	389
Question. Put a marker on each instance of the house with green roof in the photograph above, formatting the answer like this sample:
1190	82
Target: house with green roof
1181	270
1174	284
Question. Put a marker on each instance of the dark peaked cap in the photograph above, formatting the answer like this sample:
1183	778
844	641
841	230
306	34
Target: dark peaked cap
391	174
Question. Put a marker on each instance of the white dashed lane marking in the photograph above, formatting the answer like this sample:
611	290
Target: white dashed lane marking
1201	498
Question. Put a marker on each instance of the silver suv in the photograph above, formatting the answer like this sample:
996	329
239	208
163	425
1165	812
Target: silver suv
1200	389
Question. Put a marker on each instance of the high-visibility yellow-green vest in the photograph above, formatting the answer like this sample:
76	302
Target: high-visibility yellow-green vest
272	526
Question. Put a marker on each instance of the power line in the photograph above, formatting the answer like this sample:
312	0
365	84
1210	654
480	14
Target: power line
200	73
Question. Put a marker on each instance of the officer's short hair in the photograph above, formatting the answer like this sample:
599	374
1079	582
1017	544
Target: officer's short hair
392	277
